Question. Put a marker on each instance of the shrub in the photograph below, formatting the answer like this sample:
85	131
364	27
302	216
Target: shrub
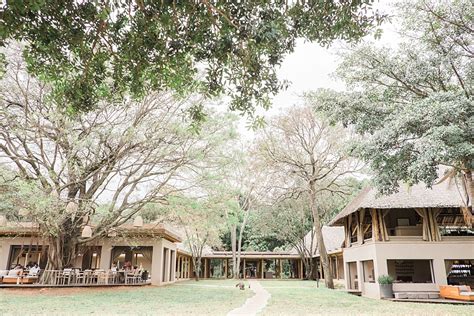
385	279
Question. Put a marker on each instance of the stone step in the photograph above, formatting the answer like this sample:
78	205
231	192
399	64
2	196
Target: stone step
416	295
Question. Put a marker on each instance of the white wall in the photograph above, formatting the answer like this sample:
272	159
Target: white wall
438	252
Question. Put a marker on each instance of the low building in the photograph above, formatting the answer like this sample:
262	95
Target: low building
420	236
153	247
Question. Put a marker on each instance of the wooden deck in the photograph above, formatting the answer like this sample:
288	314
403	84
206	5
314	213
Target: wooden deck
431	301
36	285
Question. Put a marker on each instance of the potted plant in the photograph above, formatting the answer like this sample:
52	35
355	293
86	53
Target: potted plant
386	286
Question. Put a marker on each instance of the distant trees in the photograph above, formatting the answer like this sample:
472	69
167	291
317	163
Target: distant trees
130	154
291	220
306	156
413	106
237	186
202	223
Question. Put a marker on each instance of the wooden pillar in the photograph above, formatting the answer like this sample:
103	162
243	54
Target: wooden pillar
301	269
337	269
243	270
186	268
225	267
205	268
262	265
320	268
281	269
177	266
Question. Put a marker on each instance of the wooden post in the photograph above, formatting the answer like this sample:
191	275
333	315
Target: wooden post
375	225
281	269
337	269
205	268
243	270
301	269
262	266
225	268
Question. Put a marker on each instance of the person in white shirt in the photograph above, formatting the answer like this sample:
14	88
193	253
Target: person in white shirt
34	270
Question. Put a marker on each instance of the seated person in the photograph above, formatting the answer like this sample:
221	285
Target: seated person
114	267
34	270
17	270
127	266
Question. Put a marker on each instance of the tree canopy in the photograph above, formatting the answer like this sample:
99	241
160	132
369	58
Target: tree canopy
413	105
95	50
100	167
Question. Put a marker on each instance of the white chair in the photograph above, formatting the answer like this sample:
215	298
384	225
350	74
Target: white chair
134	277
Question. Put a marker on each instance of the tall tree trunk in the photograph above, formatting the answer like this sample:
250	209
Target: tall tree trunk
233	241
239	245
197	267
328	279
470	191
470	187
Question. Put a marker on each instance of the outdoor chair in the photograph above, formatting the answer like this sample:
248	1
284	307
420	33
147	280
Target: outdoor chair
64	277
133	278
101	276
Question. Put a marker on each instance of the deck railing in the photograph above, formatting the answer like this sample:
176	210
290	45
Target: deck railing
73	277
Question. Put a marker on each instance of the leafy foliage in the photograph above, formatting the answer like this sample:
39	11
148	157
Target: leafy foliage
414	105
96	50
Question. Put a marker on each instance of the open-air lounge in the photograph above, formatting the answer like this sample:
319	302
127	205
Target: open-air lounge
131	256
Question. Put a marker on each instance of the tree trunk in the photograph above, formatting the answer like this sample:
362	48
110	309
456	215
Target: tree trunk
308	264
470	188
328	279
470	191
239	245
197	267
233	241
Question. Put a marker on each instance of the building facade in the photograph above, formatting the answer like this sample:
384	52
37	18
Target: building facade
421	237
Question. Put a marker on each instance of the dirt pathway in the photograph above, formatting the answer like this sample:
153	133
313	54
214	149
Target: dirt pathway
254	304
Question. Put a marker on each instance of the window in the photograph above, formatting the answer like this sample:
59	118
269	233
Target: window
404	222
411	271
368	267
28	255
460	272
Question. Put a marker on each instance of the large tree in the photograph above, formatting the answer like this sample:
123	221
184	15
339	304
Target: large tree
95	50
236	185
413	105
305	155
121	157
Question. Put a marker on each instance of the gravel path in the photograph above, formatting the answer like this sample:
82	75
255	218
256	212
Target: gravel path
254	304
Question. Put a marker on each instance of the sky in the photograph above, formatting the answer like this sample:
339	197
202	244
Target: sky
311	67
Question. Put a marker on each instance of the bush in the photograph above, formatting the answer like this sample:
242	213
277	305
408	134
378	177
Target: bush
385	279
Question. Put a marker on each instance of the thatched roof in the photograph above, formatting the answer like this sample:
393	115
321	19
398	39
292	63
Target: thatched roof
444	194
333	239
147	230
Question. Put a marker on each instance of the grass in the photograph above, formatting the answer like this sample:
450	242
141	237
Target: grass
201	298
208	297
303	298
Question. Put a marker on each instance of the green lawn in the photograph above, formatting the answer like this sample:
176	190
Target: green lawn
303	298
210	297
188	297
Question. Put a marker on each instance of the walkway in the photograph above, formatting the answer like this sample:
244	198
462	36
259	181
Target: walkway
254	304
